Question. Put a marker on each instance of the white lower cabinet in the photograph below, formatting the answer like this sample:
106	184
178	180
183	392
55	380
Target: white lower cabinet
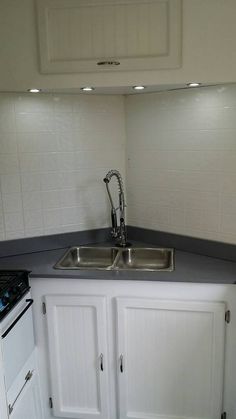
78	356
166	357
171	357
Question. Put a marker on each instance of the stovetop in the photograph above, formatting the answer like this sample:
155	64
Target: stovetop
13	286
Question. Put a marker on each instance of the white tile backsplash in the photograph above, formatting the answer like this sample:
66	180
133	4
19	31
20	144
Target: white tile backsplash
32	103
33	142
32	200
181	162
7	122
14	221
8	143
10	183
35	122
9	164
12	202
33	219
54	153
178	149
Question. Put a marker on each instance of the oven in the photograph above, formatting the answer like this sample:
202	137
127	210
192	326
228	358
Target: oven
16	322
17	338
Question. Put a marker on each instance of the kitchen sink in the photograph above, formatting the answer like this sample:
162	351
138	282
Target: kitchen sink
146	259
88	258
113	258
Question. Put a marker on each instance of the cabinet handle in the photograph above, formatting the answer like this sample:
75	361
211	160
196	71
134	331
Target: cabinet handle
28	377
30	302
101	362
121	364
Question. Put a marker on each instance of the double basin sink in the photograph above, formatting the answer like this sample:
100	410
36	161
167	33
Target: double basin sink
114	258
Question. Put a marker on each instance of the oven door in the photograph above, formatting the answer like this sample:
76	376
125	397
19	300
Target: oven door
17	339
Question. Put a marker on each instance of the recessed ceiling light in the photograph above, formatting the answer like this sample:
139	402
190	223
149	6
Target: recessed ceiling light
87	89
138	87
193	84
34	90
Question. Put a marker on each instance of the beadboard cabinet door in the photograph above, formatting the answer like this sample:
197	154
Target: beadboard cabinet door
170	359
78	355
99	35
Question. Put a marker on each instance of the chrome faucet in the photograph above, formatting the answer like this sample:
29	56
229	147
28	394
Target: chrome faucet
118	232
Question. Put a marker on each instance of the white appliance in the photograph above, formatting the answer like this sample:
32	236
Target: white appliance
17	338
17	334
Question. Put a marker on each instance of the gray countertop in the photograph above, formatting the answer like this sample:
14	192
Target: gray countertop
189	267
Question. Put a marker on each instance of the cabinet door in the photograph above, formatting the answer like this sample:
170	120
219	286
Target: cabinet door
78	356
80	35
170	359
28	405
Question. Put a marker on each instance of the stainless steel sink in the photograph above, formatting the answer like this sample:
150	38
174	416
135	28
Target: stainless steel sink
146	259
88	258
113	258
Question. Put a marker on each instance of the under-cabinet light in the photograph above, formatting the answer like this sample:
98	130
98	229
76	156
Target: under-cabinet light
138	87
34	90
193	84
87	89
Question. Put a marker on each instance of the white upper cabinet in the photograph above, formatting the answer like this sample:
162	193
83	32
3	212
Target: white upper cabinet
170	356
58	44
95	35
78	356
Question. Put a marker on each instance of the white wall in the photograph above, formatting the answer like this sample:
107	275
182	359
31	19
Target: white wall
182	162
54	153
181	151
209	34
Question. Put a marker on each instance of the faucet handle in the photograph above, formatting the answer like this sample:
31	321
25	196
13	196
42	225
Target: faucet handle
114	233
114	219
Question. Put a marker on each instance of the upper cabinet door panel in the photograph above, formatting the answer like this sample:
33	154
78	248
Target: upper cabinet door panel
75	35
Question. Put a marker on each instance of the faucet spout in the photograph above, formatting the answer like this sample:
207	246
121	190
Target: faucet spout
117	232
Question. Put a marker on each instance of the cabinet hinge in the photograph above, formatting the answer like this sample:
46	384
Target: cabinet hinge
44	310
50	403
223	416
227	316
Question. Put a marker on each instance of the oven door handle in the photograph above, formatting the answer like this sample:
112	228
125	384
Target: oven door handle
30	301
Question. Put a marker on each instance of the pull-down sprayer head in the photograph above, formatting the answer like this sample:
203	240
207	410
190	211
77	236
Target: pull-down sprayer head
118	232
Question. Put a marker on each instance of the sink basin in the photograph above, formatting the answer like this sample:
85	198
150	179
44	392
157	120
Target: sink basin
113	258
146	259
88	258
